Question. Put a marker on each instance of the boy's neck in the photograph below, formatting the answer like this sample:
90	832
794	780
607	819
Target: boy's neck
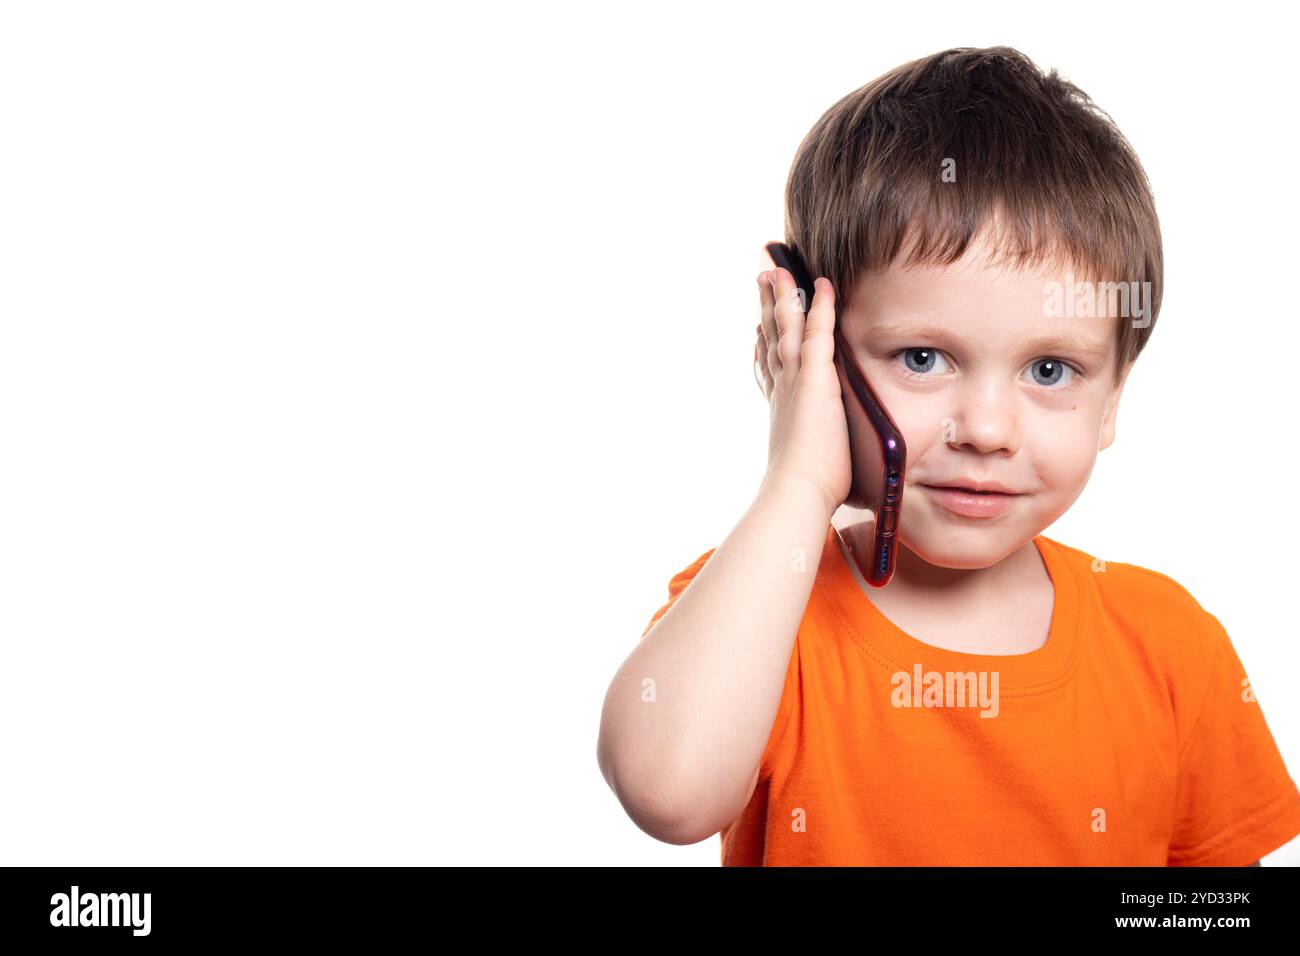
1004	608
919	580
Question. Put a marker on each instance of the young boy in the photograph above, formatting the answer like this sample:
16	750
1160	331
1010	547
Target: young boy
1005	699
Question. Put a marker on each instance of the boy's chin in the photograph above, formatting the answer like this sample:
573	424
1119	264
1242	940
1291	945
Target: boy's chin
963	549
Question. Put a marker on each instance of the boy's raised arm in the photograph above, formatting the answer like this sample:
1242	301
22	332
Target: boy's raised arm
685	764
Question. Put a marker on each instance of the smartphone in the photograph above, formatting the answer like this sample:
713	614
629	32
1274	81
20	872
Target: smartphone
876	449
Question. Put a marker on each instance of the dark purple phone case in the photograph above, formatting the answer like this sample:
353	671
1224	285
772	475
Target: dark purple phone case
876	447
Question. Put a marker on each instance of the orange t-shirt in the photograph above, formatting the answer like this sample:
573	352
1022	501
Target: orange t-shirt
1130	738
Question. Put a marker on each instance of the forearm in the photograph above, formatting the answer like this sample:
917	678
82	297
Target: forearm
684	765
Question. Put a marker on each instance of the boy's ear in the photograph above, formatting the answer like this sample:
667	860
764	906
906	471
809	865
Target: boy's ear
1112	407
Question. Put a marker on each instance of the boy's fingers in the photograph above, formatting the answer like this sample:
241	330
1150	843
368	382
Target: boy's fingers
821	315
819	329
767	320
761	374
789	321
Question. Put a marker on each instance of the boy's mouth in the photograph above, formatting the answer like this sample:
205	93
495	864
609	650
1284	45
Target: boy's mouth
974	487
975	500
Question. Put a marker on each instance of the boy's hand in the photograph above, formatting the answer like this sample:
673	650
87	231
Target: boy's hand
809	440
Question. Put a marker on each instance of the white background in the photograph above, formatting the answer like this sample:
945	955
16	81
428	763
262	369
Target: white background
366	370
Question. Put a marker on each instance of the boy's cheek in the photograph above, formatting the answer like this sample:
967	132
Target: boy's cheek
1063	457
925	420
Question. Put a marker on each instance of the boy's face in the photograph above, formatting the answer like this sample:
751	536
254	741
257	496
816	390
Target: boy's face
987	386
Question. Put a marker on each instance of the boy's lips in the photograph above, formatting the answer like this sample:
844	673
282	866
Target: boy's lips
971	503
972	484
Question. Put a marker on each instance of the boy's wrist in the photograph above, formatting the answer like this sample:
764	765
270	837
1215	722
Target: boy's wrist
797	493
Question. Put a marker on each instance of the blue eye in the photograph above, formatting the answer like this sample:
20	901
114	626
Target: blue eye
1054	371
922	361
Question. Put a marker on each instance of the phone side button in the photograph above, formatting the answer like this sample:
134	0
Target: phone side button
889	522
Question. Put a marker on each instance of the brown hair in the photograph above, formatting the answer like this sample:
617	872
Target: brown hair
1036	161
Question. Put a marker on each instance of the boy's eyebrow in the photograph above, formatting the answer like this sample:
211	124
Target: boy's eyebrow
1065	341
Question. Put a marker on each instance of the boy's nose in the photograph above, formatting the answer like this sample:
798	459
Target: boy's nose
985	421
